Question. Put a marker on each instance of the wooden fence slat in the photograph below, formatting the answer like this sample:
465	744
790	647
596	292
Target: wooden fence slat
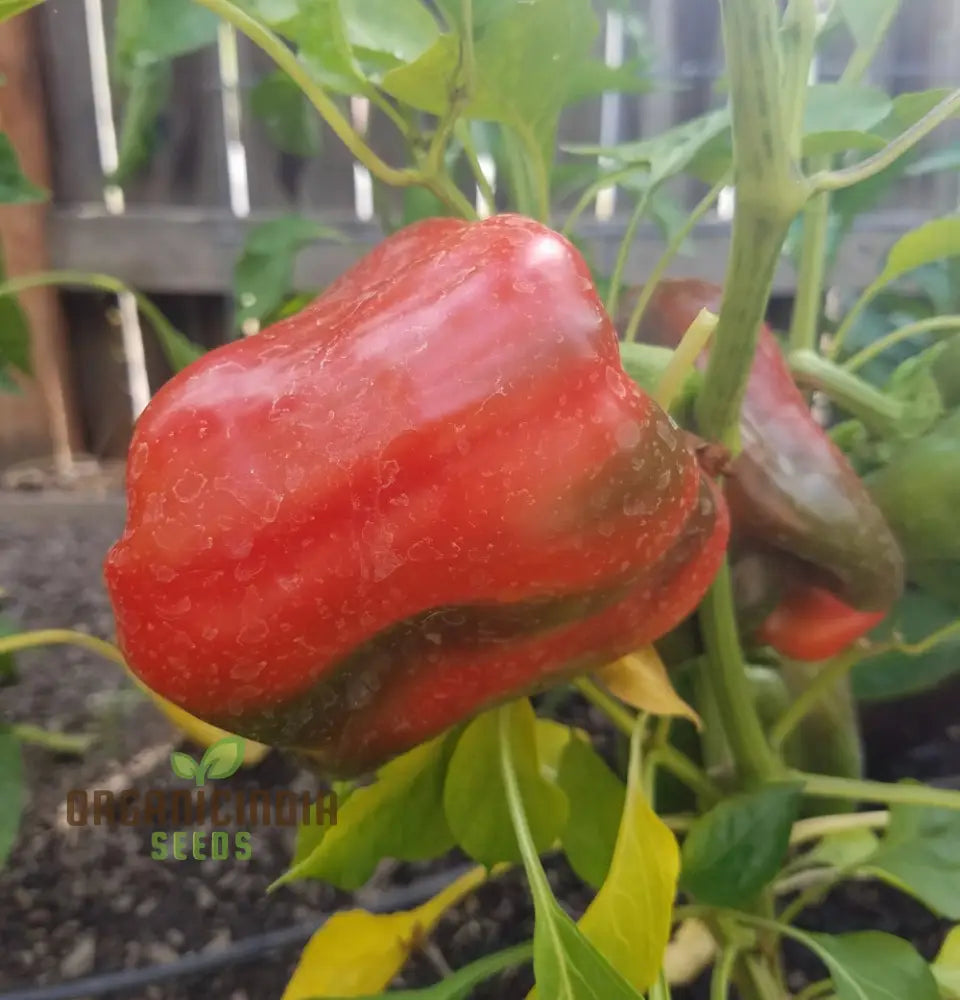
73	133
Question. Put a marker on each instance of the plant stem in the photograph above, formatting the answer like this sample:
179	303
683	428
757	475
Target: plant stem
835	180
816	691
61	637
623	252
684	358
811	274
805	830
621	717
72	743
933	324
462	132
730	687
590	192
178	348
722	972
856	790
770	191
673	248
928	642
680	766
878	411
815	990
274	47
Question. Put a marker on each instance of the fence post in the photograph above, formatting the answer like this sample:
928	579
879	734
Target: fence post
23	233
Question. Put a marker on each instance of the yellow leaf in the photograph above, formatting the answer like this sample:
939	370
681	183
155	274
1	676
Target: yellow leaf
641	680
629	918
946	966
356	953
202	733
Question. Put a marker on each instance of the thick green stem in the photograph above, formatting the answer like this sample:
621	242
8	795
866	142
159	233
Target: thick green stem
722	974
878	411
730	687
804	323
933	324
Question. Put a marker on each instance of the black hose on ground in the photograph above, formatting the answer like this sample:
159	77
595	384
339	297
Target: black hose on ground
247	950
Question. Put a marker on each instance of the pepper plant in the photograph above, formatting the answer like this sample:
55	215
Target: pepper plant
371	532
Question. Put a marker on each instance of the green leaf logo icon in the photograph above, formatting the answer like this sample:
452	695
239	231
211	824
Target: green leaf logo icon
184	766
221	759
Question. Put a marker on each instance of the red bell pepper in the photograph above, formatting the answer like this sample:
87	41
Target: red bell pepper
811	624
432	489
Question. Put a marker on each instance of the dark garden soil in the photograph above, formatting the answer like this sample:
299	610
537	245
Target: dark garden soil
80	901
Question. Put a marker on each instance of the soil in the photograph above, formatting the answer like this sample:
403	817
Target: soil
79	901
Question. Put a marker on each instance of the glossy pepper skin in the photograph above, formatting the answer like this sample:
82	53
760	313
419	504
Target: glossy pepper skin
791	488
432	489
811	624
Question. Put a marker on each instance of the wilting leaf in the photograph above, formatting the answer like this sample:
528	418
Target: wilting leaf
641	680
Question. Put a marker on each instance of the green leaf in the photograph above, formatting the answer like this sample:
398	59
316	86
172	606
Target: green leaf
946	966
14	331
596	797
843	849
629	918
401	29
399	816
566	965
733	851
894	674
147	31
518	60
866	19
10	8
11	792
148	90
222	758
932	241
484	11
474	777
183	765
263	273
921	854
947	158
319	30
15	189
840	116
289	119
594	78
870	965
8	666
670	152
7	383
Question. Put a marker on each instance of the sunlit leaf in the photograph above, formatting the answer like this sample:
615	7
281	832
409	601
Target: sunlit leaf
629	918
946	966
737	848
867	18
356	953
10	8
400	815
566	965
474	776
641	680
552	739
519	58
932	241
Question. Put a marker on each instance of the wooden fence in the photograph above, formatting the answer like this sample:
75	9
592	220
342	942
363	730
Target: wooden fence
177	229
